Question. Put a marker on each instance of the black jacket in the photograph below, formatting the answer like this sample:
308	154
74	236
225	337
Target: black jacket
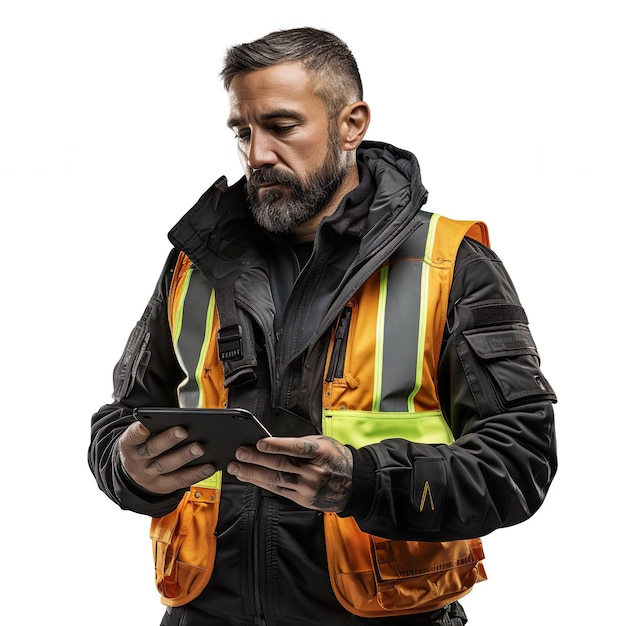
499	408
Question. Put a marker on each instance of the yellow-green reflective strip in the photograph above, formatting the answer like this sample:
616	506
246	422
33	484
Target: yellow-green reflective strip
178	313
205	345
212	482
421	338
360	428
178	325
430	241
380	339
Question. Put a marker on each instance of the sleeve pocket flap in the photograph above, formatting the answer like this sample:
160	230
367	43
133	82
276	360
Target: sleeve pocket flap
511	359
502	342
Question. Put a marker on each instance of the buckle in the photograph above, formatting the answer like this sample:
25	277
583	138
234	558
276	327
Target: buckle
230	343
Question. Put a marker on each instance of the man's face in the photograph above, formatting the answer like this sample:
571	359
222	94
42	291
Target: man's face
292	159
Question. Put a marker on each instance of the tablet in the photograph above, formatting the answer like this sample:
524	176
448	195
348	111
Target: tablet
220	431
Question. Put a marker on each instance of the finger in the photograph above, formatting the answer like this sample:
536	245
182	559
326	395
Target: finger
282	482
135	434
171	461
275	472
302	447
155	445
272	461
182	479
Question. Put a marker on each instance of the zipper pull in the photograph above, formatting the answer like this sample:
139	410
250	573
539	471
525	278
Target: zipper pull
339	346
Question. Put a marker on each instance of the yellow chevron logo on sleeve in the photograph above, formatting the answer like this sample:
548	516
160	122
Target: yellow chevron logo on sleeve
427	493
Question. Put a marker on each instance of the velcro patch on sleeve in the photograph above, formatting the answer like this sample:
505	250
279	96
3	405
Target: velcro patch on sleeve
491	314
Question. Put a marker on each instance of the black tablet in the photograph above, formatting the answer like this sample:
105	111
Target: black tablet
220	431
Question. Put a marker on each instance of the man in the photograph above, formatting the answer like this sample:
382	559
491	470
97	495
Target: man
386	345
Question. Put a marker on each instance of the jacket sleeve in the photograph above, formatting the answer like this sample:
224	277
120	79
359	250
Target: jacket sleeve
146	375
499	407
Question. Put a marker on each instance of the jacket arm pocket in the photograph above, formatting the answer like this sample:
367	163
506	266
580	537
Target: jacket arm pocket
135	359
510	372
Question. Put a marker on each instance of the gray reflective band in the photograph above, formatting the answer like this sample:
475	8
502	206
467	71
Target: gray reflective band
195	323
402	350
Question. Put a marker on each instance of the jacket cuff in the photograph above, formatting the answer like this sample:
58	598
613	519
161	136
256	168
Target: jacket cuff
363	484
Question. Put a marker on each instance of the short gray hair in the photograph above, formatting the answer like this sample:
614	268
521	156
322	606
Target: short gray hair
324	56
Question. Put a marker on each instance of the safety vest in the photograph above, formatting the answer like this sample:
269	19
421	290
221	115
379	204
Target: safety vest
380	382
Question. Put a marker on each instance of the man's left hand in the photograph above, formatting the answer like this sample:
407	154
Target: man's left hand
313	471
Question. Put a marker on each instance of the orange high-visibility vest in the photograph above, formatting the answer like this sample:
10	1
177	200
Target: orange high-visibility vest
379	383
388	340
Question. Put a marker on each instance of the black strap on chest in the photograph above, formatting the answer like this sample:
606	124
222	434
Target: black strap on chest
235	340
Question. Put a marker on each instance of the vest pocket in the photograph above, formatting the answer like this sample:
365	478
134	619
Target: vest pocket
425	574
376	577
184	544
360	428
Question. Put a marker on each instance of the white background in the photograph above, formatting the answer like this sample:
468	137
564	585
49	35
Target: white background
112	125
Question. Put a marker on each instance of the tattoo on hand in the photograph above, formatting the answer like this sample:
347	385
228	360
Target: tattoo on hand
289	478
155	465
142	451
333	495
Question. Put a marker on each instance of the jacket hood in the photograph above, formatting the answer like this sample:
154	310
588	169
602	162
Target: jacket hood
392	167
390	192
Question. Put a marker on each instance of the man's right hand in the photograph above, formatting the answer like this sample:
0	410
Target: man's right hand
147	461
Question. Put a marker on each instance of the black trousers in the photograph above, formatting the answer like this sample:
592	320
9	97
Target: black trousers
451	615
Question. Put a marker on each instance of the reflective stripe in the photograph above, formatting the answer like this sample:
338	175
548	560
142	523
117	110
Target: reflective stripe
178	311
379	367
212	482
361	428
424	308
189	318
405	309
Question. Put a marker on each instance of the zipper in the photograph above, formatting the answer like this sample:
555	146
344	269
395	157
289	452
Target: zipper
256	575
340	345
252	529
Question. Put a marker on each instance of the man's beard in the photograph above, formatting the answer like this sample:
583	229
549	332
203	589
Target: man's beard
280	210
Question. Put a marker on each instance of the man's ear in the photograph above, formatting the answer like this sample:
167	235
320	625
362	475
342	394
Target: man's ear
353	122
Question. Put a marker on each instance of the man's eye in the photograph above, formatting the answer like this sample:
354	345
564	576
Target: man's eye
283	129
242	136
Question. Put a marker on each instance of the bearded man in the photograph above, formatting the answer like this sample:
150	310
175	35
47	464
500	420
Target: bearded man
383	347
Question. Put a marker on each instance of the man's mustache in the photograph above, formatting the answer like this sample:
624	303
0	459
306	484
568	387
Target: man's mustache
272	176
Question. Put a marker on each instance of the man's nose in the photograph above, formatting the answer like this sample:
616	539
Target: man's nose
261	151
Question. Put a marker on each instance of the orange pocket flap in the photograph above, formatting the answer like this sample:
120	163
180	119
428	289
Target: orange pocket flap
184	545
